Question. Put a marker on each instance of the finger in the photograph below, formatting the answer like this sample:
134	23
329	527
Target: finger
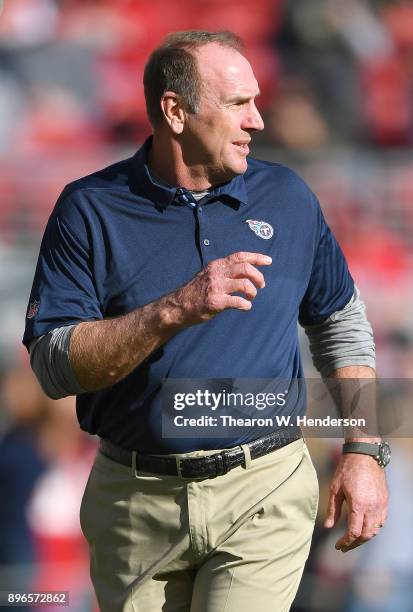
234	301
370	529
247	270
363	538
257	259
355	544
374	518
354	530
335	504
242	285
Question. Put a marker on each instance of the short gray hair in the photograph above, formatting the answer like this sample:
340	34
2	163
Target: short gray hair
172	67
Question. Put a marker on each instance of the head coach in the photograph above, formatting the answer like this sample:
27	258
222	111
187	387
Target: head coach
193	260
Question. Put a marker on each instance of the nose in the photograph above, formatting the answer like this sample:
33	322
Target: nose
253	119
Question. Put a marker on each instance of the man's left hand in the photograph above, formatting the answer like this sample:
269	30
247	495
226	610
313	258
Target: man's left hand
361	482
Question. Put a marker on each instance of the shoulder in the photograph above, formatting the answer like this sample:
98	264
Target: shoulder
281	182
85	195
115	176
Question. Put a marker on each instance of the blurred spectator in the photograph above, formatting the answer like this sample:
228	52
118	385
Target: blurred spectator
398	18
387	101
12	108
312	48
56	119
294	121
25	23
354	57
44	463
21	463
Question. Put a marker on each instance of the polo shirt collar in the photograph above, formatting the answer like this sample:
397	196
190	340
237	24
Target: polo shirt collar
163	195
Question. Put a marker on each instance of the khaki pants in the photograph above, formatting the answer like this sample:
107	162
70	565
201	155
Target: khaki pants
235	543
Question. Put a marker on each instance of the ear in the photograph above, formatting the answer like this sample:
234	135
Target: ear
173	112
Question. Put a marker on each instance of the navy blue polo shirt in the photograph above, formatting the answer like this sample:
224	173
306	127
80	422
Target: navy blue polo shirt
117	240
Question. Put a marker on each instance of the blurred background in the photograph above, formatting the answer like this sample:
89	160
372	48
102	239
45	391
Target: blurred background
337	98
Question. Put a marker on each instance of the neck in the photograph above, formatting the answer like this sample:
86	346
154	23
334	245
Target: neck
166	161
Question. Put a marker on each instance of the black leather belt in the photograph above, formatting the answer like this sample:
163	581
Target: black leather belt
202	467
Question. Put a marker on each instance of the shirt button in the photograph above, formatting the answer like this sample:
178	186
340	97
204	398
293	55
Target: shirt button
206	242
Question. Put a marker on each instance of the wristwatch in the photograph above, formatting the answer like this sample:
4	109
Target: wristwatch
380	451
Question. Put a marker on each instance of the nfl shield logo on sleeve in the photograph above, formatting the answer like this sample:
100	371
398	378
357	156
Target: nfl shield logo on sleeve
33	309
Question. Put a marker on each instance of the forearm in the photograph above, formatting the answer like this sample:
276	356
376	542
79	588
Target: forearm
344	397
104	352
353	371
93	355
358	479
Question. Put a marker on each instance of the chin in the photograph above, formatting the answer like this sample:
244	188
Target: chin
237	167
229	171
241	167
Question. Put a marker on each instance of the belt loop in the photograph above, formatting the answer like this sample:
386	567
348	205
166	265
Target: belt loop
134	474
178	466
247	455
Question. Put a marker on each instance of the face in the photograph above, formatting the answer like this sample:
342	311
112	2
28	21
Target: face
215	140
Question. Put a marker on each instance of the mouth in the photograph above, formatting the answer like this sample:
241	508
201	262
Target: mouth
242	147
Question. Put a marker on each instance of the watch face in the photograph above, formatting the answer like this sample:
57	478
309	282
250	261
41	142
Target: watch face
384	454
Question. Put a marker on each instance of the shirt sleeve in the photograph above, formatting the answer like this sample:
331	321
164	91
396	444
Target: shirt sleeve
63	291
49	358
330	286
344	339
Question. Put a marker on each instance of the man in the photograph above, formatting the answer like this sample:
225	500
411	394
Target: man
191	260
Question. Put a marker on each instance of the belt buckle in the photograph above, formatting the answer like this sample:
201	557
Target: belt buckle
180	468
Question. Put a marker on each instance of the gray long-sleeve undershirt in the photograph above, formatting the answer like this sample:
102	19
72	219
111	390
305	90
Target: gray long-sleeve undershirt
344	339
49	358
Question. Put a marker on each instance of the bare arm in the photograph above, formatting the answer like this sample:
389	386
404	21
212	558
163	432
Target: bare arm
104	352
360	482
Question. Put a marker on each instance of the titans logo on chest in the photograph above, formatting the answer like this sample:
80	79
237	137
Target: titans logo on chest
261	228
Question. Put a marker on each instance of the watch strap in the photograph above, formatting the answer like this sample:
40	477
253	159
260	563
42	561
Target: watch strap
363	448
